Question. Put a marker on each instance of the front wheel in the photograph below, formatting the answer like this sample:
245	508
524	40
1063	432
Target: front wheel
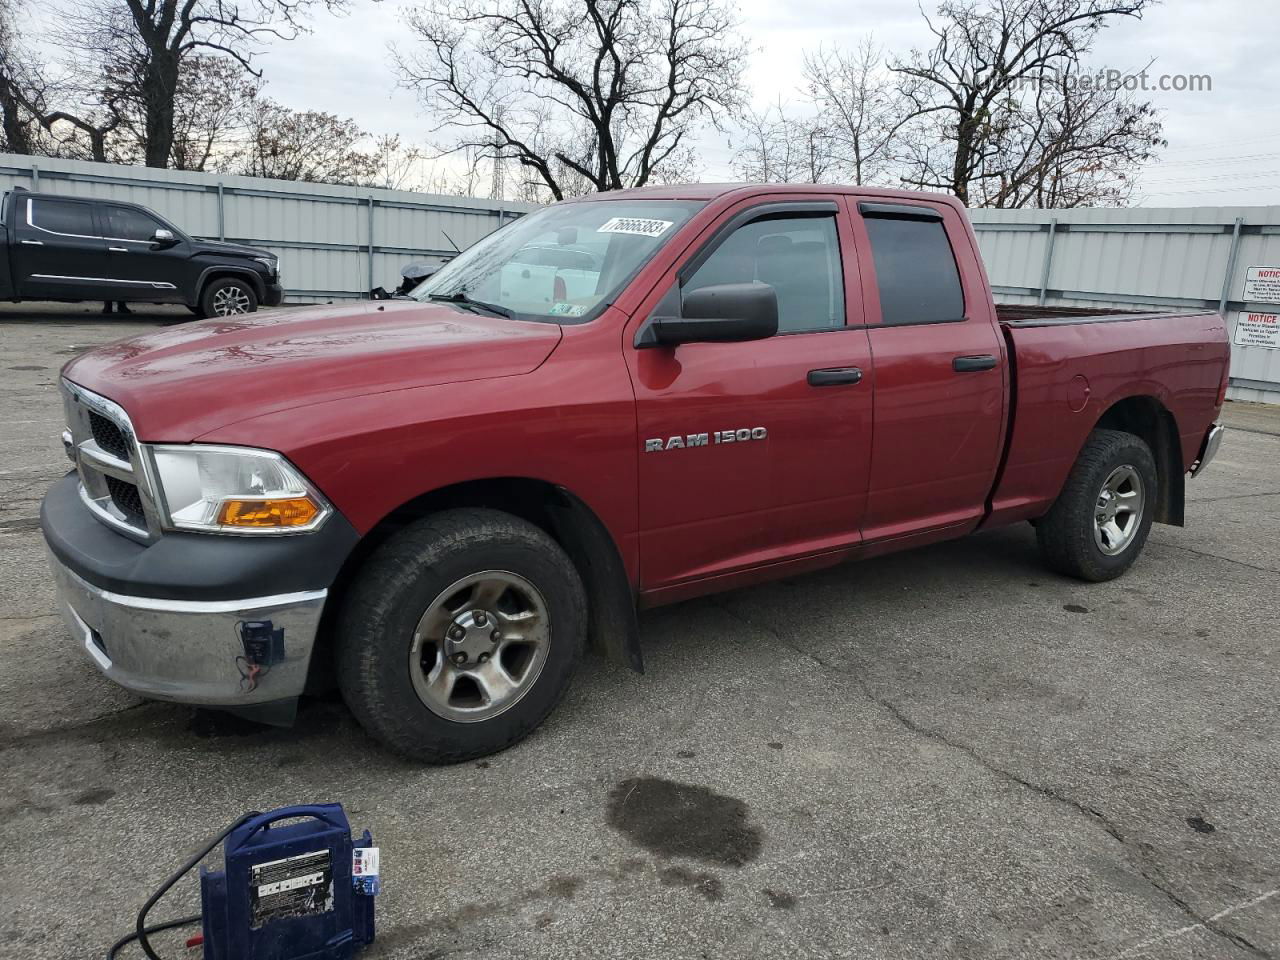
1099	523
227	297
460	635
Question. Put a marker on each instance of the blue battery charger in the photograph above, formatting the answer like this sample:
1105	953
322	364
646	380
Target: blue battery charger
296	890
294	886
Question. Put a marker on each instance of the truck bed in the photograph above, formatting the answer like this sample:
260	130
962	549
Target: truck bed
1069	367
1031	315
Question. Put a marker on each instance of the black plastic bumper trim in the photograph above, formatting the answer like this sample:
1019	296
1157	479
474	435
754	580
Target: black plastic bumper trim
191	566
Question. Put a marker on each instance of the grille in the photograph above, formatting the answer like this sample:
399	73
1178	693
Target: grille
109	436
102	440
125	497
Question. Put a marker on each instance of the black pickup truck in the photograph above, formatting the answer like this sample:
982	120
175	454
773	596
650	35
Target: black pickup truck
55	247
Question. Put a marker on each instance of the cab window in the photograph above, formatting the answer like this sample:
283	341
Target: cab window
798	256
915	271
62	216
126	223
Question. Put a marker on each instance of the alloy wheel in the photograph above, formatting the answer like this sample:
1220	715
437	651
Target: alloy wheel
480	646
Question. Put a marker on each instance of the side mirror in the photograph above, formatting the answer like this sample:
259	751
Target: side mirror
723	313
164	237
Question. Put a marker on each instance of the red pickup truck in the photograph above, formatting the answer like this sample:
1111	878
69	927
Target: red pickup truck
616	402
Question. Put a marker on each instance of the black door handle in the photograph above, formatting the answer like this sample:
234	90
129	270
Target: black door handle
833	376
971	364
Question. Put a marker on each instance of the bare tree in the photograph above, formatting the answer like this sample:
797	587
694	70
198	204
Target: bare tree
399	167
1074	145
984	99
783	148
26	86
212	105
609	90
16	122
304	145
861	108
129	56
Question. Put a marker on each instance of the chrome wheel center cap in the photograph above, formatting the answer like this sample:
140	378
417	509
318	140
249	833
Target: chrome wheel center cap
473	635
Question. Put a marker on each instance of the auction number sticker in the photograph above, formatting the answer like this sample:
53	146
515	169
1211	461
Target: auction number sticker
637	226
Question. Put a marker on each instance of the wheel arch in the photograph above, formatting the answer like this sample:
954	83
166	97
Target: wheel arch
218	270
1146	417
613	627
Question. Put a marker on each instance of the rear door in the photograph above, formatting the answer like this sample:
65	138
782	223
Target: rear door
59	253
749	454
140	268
939	369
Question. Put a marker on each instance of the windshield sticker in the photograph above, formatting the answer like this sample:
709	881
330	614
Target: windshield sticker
643	228
562	309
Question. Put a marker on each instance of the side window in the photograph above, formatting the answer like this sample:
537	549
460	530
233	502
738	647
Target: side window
798	256
125	223
63	216
915	271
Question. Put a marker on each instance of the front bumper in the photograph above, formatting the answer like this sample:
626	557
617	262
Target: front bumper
189	650
164	619
1209	448
272	295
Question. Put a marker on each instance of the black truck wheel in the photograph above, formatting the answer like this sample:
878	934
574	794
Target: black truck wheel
1099	523
460	635
227	297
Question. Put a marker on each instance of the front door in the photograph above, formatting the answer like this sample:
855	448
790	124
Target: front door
939	367
755	452
59	254
140	268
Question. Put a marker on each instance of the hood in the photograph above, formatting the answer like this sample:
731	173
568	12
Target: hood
221	248
182	382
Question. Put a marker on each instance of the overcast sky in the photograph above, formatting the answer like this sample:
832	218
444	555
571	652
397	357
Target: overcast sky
1224	144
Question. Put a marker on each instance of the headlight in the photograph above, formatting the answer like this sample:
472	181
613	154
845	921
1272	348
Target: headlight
271	263
234	490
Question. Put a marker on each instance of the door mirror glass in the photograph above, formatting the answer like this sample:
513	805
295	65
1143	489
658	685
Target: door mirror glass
719	313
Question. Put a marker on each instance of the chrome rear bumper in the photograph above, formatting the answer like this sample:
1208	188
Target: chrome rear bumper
189	651
1209	449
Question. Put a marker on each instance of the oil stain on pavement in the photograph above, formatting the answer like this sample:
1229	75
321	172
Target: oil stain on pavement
684	820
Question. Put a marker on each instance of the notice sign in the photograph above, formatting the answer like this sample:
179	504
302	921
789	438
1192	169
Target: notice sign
1258	330
1262	284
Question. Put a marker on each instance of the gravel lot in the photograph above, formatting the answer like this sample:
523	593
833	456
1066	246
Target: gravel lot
946	753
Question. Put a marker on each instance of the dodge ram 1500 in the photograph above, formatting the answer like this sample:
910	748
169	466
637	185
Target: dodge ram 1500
440	503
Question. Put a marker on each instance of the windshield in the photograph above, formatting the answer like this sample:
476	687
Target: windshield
561	262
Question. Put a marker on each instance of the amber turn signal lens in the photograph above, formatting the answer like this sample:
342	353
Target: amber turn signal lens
293	512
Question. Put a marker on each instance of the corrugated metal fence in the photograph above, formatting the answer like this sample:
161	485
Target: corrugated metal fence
1193	258
334	243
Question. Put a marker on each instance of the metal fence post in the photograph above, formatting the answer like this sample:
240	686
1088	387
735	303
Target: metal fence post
35	176
1048	261
369	288
1231	266
222	212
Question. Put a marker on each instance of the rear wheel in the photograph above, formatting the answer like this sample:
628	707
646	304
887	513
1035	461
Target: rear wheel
1100	522
460	635
228	297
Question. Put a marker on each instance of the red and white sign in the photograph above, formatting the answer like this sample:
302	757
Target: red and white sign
1262	284
1258	330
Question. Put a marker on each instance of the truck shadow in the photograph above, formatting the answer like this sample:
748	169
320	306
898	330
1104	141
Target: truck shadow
82	314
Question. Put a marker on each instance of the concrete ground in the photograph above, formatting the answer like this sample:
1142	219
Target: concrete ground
946	753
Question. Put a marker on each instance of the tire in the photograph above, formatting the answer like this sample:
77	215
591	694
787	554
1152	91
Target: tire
402	608
1073	536
227	297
